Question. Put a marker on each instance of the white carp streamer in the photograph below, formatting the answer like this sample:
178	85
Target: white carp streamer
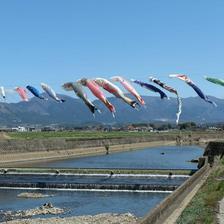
179	102
2	92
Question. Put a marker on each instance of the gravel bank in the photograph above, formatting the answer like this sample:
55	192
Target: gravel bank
106	218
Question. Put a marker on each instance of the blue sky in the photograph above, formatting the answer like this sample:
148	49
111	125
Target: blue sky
57	41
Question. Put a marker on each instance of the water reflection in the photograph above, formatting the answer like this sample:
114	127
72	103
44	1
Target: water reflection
165	157
84	202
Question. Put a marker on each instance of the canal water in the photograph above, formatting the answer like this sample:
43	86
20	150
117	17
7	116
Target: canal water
165	157
84	202
95	202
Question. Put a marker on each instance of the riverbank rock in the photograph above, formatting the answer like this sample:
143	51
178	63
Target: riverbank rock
46	209
105	218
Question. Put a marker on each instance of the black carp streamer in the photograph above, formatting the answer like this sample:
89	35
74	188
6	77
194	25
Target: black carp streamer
171	90
187	80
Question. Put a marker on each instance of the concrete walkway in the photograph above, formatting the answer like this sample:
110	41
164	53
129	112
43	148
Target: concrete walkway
220	215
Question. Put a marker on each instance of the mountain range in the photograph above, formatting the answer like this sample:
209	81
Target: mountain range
74	112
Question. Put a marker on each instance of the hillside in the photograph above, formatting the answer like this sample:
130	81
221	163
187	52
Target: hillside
73	111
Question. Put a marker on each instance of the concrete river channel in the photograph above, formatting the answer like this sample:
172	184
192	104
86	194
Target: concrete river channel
134	181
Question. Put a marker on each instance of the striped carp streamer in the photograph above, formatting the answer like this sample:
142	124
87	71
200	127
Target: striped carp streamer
22	93
115	90
128	87
150	87
51	93
171	90
95	89
78	89
2	92
192	85
215	80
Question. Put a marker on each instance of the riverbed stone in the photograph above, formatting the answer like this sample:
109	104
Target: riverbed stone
106	218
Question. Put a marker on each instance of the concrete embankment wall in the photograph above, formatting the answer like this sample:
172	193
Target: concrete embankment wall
212	153
48	144
161	212
214	148
13	145
18	152
15	151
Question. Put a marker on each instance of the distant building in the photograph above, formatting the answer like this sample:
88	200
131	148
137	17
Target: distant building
19	129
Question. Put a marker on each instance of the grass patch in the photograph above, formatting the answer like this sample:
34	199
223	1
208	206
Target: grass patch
82	134
97	134
203	207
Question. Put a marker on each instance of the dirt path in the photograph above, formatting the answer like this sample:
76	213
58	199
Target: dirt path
4	136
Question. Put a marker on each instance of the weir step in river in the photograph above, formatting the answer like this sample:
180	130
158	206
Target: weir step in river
133	182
